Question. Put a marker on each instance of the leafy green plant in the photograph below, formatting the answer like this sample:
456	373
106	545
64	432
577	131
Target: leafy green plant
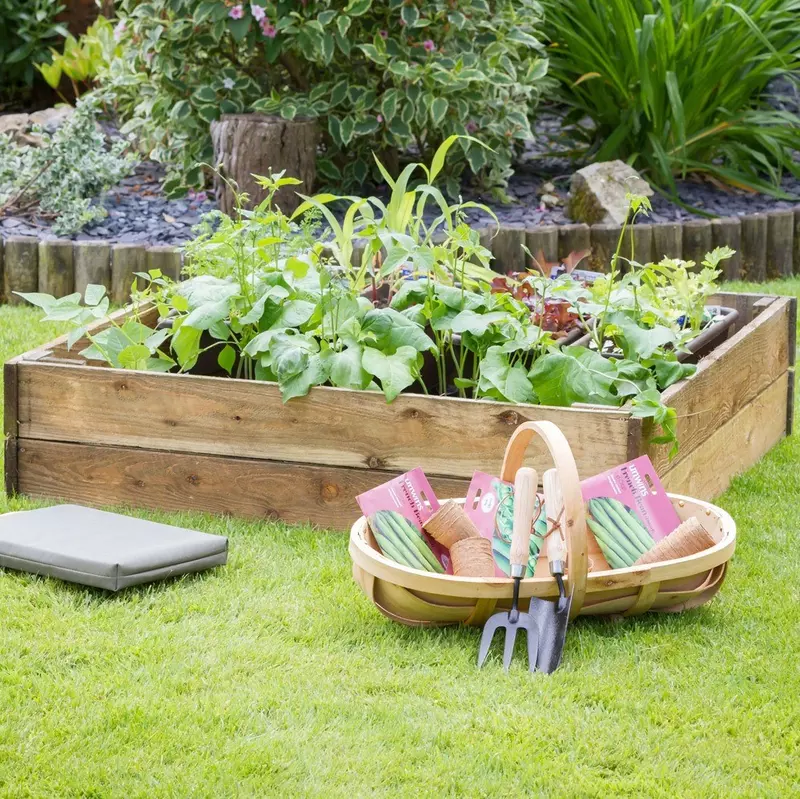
130	345
380	77
82	59
678	88
28	28
271	299
60	178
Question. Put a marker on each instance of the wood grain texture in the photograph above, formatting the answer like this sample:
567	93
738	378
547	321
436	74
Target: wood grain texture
544	238
572	238
780	236
726	381
165	258
735	446
297	494
754	247
188	413
10	426
92	260
56	271
253	144
727	232
796	242
21	267
506	246
604	240
126	259
637	244
696	240
667	240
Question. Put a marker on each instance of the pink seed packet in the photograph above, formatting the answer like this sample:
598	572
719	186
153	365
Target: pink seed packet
490	506
411	495
636	485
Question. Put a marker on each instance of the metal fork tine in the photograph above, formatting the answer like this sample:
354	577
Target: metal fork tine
508	647
488	634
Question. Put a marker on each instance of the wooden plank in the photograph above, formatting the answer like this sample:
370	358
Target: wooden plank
637	245
743	302
727	380
604	240
796	241
126	259
727	232
56	271
544	238
92	261
754	247
780	235
507	249
10	426
735	446
191	413
573	238
167	259
667	240
21	271
696	240
113	476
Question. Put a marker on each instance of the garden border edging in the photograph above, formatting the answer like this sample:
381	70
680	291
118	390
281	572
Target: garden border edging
767	246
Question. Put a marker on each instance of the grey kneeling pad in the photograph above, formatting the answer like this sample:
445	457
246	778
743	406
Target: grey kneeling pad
101	549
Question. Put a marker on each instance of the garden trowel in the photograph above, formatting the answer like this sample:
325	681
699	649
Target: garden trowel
551	618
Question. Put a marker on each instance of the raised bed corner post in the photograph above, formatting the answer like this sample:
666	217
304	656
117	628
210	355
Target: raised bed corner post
11	427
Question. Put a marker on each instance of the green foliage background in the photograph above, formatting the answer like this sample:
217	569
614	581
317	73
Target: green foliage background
382	77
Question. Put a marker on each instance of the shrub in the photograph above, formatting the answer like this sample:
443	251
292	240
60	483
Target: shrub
60	178
28	28
678	88
381	77
81	59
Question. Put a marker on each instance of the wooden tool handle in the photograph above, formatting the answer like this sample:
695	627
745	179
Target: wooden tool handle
574	523
554	507
525	484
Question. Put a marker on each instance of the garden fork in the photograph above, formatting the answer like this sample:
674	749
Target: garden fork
525	483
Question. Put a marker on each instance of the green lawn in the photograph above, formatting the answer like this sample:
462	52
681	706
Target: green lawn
274	676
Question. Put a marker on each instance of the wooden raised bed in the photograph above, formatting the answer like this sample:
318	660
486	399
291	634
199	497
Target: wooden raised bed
101	436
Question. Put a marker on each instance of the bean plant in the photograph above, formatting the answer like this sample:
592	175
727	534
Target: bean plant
282	299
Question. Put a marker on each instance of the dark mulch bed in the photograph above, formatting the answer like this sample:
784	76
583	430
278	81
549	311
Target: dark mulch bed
138	211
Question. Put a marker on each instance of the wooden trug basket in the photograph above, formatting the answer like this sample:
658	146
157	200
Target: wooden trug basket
424	599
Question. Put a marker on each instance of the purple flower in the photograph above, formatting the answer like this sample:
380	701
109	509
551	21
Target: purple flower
119	29
383	34
379	118
200	197
237	12
429	45
268	29
471	126
257	12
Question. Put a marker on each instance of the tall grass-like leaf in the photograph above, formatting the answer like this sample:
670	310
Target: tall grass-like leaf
676	88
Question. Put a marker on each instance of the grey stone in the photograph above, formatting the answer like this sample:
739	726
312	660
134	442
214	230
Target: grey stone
597	192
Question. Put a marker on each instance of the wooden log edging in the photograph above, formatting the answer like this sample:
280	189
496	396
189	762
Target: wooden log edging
767	246
61	266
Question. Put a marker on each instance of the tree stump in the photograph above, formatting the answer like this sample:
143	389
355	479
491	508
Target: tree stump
248	144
